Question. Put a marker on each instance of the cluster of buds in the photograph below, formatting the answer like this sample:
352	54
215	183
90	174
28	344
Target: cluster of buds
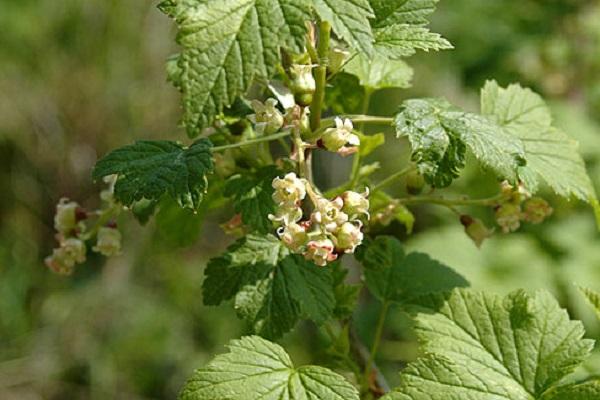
333	228
72	232
520	206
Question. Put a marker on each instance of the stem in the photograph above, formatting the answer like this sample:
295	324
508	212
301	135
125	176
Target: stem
390	179
490	201
251	141
316	107
377	340
356	162
299	149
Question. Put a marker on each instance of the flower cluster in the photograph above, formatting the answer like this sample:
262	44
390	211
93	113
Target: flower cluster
334	226
72	232
520	206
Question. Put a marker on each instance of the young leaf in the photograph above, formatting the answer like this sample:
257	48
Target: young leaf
377	73
438	132
550	154
149	169
350	20
226	45
252	197
272	289
257	369
482	346
400	28
391	275
593	298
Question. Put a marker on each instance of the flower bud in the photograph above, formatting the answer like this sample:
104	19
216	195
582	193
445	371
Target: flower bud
108	195
320	252
268	119
349	237
294	236
290	189
303	84
508	216
476	229
329	214
356	203
336	139
415	182
68	214
108	242
536	210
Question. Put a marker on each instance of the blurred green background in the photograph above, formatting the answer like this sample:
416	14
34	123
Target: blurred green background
81	77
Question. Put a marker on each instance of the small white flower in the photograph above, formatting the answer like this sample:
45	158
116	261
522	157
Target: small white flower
268	119
63	259
66	217
303	80
356	203
336	139
108	242
287	214
329	214
321	252
290	189
349	237
294	236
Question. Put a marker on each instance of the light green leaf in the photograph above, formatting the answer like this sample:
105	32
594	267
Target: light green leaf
550	154
404	40
589	390
150	169
369	143
252	197
257	369
226	45
272	289
593	298
391	275
439	133
377	73
480	346
400	28
350	20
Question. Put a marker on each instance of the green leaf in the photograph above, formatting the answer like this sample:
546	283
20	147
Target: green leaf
589	390
439	133
346	296
400	28
369	143
593	298
350	20
404	40
252	197
149	169
228	44
377	73
257	369
272	289
392	275
392	12
551	155
480	346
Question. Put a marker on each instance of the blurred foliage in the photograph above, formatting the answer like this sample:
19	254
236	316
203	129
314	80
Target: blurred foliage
81	77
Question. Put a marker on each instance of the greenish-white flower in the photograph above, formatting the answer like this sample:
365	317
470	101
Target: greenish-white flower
108	242
349	237
338	139
289	190
321	252
268	119
329	215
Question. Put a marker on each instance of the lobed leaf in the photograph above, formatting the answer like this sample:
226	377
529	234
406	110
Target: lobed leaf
226	45
149	169
377	72
593	298
551	155
273	290
392	275
481	346
257	369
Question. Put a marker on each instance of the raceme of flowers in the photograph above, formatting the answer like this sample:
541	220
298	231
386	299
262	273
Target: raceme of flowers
72	233
334	226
